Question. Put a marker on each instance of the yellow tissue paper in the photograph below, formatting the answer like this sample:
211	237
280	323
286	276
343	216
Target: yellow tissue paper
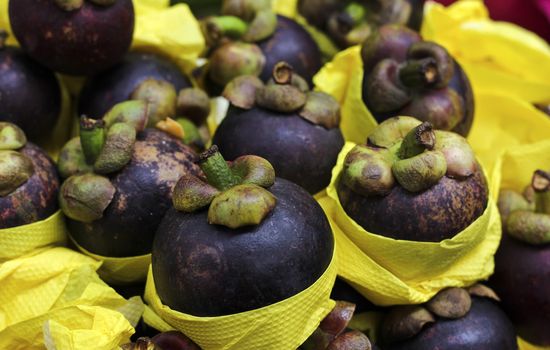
389	271
56	299
25	239
120	271
280	326
513	170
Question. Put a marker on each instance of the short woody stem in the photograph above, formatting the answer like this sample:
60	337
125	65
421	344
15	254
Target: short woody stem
417	140
224	26
92	138
419	73
216	169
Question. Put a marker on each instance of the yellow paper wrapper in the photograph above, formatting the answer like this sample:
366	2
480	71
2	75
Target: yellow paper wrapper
22	240
280	326
56	299
513	170
389	271
120	271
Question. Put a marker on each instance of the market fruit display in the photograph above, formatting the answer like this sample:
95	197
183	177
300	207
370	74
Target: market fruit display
454	319
75	37
522	263
412	182
30	95
250	39
349	23
295	129
116	84
29	183
118	180
250	230
404	75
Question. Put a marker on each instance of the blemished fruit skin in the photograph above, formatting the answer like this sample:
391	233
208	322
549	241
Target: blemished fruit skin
36	199
485	327
30	95
211	270
104	90
299	151
522	280
79	42
143	195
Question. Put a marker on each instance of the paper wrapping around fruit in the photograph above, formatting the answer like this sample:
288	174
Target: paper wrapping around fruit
283	325
523	345
27	239
55	299
120	271
506	80
388	271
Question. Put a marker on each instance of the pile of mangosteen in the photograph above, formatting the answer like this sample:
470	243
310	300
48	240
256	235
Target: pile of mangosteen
230	219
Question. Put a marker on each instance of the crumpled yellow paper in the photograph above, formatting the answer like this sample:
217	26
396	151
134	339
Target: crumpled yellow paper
513	170
120	271
506	64
25	239
281	326
56	299
388	271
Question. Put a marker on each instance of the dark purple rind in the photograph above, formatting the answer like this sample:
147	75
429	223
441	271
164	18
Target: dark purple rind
104	90
30	95
485	327
143	195
79	42
36	199
211	270
522	281
293	44
299	151
174	340
433	215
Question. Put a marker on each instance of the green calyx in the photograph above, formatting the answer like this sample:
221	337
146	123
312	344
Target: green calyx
234	59
526	216
11	136
409	152
193	104
246	20
235	191
69	5
160	97
103	147
15	169
286	92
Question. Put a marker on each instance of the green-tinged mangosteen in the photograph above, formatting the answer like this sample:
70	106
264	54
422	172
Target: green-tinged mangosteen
404	75
455	319
28	180
101	92
250	39
30	95
171	340
119	179
412	182
294	129
240	241
350	22
522	262
333	334
77	37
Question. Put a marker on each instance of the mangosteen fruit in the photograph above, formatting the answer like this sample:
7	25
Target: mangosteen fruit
454	319
350	22
522	262
333	332
171	340
29	183
404	75
296	130
30	95
102	91
413	183
118	180
239	241
343	291
76	37
249	39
